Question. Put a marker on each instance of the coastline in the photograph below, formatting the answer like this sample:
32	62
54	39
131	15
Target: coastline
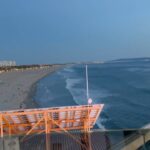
18	87
30	102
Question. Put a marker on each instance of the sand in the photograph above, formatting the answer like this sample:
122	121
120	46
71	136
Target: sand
17	87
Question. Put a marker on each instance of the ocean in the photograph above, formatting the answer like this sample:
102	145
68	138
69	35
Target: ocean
123	86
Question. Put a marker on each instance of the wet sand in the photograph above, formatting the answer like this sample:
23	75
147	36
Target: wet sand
17	87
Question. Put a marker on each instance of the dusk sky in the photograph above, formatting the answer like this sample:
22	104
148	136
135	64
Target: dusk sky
58	31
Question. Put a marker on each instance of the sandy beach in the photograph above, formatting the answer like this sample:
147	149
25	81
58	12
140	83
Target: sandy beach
17	87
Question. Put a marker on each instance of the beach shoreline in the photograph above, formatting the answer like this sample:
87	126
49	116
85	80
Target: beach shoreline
17	88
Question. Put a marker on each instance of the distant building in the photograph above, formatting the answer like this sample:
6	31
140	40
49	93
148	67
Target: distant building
7	63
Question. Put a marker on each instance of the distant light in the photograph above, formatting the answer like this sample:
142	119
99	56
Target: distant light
89	101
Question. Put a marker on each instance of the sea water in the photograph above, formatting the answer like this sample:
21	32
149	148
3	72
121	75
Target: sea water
123	86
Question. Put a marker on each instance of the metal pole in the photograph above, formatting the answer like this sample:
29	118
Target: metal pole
1	123
88	136
87	83
89	131
9	130
47	132
2	134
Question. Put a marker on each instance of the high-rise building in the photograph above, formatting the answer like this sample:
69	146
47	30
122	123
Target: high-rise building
7	63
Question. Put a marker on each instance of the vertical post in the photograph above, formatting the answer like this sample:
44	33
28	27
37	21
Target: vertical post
86	140
1	124
9	130
2	134
47	131
87	127
87	83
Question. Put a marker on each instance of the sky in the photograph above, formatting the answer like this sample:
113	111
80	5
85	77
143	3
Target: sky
60	31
